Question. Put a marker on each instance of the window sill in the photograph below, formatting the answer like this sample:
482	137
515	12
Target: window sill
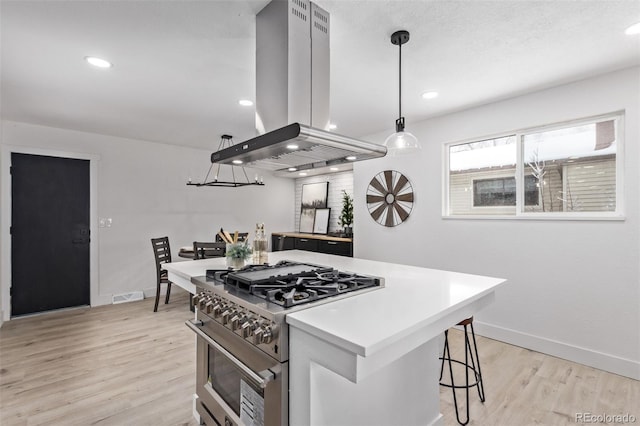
540	217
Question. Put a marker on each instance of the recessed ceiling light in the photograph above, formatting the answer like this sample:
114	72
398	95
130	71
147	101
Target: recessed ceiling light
98	62
292	146
292	169
633	29
332	126
245	102
334	169
430	95
237	161
351	158
302	174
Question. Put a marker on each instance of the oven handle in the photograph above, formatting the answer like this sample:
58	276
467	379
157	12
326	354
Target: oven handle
262	378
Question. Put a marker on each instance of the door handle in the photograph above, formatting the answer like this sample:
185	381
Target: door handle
262	378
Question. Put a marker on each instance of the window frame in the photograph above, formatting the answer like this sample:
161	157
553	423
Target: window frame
617	214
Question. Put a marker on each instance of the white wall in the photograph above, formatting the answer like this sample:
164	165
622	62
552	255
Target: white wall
337	183
142	187
585	304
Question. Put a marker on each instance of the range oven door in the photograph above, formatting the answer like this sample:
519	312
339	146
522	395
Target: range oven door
236	383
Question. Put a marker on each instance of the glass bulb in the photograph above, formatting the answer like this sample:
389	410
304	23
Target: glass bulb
402	143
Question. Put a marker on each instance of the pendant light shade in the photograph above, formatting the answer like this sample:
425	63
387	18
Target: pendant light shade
401	142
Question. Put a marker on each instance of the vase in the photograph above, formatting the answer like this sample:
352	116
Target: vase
235	262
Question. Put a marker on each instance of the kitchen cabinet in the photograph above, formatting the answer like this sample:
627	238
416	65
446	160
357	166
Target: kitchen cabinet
312	242
281	242
308	244
341	248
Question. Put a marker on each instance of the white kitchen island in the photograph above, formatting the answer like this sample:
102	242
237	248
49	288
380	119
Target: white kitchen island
371	359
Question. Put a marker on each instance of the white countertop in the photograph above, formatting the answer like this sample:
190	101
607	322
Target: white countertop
413	297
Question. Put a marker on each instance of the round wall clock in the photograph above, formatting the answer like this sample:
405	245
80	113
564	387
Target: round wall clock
390	198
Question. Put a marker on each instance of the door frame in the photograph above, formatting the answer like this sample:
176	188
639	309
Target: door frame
5	222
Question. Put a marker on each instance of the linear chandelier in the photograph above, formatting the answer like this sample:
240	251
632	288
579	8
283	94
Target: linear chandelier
225	142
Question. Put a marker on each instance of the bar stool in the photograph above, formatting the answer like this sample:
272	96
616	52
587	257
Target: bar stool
471	364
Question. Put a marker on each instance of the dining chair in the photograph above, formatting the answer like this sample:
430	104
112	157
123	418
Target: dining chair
162	253
204	250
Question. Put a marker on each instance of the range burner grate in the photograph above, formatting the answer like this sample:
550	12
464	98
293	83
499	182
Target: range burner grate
290	283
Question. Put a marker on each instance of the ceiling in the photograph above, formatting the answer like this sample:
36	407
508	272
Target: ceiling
180	67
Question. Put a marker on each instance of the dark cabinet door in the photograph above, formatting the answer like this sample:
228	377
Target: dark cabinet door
341	248
306	244
281	242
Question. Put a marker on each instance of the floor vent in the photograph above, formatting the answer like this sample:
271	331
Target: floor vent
127	297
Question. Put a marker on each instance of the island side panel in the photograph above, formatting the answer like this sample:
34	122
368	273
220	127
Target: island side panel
404	391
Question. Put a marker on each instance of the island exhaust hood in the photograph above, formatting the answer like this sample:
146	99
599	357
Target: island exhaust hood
292	96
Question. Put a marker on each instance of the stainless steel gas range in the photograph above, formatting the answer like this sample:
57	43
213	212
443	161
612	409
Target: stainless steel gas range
243	338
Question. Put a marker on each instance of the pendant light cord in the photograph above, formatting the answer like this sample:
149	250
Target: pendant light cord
399	80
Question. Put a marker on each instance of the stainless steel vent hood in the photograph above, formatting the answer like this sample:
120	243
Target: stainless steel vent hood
292	96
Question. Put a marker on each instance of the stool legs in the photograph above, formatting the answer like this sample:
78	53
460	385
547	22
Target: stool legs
471	364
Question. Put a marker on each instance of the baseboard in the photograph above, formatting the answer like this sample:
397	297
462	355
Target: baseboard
602	361
151	291
101	299
1	317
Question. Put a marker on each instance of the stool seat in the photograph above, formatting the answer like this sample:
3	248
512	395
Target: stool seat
471	364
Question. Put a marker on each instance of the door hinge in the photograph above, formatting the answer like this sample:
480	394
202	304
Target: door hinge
10	170
11	230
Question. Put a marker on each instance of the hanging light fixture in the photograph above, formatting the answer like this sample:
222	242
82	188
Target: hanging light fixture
226	141
400	141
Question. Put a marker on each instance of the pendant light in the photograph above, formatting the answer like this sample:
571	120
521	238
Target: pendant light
226	141
400	142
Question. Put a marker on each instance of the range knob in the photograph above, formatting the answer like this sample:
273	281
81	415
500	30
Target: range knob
262	334
237	320
267	336
218	308
248	328
202	302
209	306
228	314
198	297
195	300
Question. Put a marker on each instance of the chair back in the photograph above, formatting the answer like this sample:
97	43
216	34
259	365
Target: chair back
204	250
161	251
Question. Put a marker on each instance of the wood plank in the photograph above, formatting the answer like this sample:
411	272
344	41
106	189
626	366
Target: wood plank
111	365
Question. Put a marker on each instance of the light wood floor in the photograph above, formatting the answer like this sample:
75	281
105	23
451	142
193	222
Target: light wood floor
126	365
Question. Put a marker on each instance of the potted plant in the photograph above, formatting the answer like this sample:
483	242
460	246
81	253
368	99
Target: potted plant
346	216
238	254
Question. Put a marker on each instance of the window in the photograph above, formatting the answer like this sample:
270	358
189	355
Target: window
565	170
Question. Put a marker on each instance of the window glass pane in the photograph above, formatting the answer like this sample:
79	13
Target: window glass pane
502	192
574	168
482	177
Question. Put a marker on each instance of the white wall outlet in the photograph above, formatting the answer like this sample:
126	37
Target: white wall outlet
109	222
102	222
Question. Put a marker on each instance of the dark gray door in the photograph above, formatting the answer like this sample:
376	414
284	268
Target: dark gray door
49	233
